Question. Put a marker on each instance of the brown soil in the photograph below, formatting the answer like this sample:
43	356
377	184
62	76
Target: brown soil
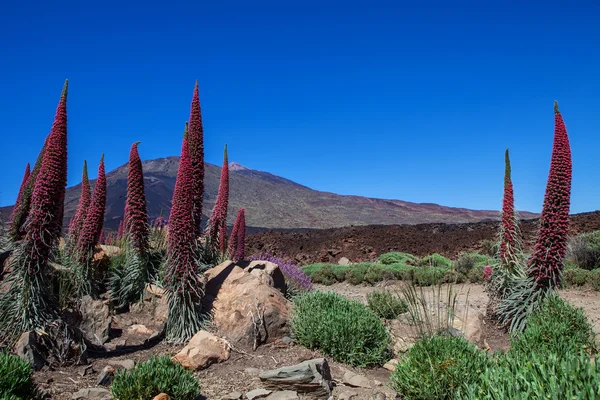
365	243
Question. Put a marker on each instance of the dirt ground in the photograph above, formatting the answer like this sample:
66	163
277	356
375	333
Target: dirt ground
240	372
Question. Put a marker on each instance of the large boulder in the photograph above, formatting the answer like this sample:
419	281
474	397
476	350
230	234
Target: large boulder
268	272
30	350
247	311
203	350
469	324
96	321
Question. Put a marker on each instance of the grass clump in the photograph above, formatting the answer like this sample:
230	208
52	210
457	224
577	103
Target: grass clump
436	367
346	330
397	257
15	378
436	260
557	327
155	376
386	304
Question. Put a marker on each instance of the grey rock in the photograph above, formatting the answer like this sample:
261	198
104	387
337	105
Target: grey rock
356	380
127	364
30	350
312	378
287	340
85	370
378	396
92	394
344	261
348	395
252	371
106	376
283	395
232	396
258	394
96	321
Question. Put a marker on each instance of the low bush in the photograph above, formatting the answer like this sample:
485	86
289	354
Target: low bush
467	261
386	304
537	376
557	327
397	257
436	367
583	251
573	276
429	276
346	330
155	376
436	260
16	378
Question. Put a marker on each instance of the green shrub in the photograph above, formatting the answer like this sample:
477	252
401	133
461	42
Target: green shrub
346	330
584	250
15	378
428	276
594	276
435	260
467	261
386	304
557	327
155	376
537	376
475	275
435	367
575	276
397	257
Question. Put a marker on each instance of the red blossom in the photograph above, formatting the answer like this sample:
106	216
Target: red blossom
181	265
42	228
137	215
551	243
82	207
218	220
94	220
195	137
121	230
232	249
22	190
509	233
240	252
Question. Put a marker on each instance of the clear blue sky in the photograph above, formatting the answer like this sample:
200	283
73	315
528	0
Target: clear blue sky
381	99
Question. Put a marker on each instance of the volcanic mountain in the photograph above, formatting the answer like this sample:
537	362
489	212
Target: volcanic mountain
271	201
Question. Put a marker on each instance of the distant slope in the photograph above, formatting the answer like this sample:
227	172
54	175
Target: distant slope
272	201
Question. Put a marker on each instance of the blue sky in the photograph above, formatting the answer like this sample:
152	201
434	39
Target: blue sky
406	100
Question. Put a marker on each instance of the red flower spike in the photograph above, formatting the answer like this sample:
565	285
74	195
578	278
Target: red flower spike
509	233
82	207
218	220
232	249
195	135
137	215
121	230
94	220
240	252
22	189
551	243
181	265
43	230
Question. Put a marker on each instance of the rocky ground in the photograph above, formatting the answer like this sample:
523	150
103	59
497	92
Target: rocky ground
365	243
234	370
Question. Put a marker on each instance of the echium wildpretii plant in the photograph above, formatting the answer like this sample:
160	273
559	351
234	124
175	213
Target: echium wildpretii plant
127	282
22	187
23	206
509	252
297	281
183	282
86	278
29	303
196	142
236	249
545	265
82	208
218	221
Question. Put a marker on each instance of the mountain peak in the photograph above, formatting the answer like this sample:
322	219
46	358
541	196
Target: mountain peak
233	166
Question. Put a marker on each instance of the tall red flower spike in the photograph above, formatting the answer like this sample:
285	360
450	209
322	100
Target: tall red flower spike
137	215
82	207
509	233
218	220
195	137
94	220
121	230
22	208
43	230
232	249
240	252
182	280
551	243
22	189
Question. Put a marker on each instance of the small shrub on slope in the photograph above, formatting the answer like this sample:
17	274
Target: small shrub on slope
557	327
436	367
583	250
155	376
346	330
436	260
467	261
15	378
398	257
386	304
